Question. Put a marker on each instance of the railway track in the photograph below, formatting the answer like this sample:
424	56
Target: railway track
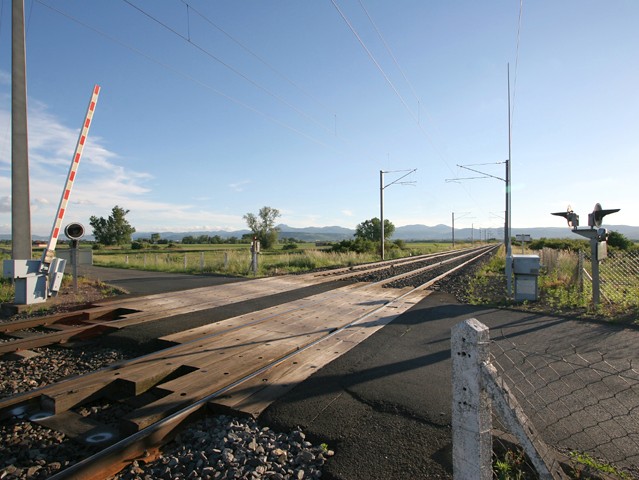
239	364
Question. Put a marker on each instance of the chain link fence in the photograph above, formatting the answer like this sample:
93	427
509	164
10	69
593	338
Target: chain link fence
584	403
618	274
546	414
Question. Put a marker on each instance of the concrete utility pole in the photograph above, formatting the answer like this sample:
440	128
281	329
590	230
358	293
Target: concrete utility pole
508	224
20	200
382	187
507	181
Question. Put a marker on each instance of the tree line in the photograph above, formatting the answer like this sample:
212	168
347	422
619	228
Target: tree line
116	230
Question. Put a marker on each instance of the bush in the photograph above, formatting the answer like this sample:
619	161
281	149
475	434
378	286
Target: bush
573	245
139	245
358	245
619	240
401	244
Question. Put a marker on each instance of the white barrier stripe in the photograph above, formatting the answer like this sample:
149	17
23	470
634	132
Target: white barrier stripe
55	232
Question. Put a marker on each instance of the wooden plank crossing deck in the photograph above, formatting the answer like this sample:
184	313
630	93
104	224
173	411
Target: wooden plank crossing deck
120	313
251	358
255	395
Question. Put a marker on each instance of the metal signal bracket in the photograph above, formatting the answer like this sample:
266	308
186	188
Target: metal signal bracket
597	236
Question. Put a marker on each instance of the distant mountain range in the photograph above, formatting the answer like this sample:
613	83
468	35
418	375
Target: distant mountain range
406	233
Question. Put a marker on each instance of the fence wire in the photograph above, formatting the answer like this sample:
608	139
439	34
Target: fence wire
583	404
618	274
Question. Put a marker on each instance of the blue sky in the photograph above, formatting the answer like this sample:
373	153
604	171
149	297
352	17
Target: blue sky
212	109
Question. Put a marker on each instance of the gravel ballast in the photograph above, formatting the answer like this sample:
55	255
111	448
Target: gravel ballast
218	447
224	447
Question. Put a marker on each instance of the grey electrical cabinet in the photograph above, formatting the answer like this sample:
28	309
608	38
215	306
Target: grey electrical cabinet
526	270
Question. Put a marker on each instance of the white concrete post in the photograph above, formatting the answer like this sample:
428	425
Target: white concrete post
472	418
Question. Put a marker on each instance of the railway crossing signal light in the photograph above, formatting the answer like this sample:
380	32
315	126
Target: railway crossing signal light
602	234
595	218
74	231
570	216
597	236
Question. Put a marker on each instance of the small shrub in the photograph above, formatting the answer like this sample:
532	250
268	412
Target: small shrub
7	291
585	466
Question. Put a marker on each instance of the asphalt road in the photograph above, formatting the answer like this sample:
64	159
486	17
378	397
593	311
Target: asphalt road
385	406
139	282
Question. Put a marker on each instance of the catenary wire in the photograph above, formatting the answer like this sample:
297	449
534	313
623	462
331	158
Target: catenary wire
512	110
390	83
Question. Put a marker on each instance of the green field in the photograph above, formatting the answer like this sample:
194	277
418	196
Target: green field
236	259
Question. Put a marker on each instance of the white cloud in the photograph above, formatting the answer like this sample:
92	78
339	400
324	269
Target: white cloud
5	204
239	186
101	183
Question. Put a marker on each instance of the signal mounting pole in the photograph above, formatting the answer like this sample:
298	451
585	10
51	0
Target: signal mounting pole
598	237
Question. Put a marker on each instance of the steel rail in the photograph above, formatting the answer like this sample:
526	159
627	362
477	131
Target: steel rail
115	457
421	270
87	327
27	397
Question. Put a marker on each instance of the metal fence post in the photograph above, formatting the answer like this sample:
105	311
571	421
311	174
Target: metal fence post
472	418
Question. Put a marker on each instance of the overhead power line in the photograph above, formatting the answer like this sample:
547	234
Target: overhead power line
390	52
372	57
255	55
390	83
512	111
228	66
185	75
